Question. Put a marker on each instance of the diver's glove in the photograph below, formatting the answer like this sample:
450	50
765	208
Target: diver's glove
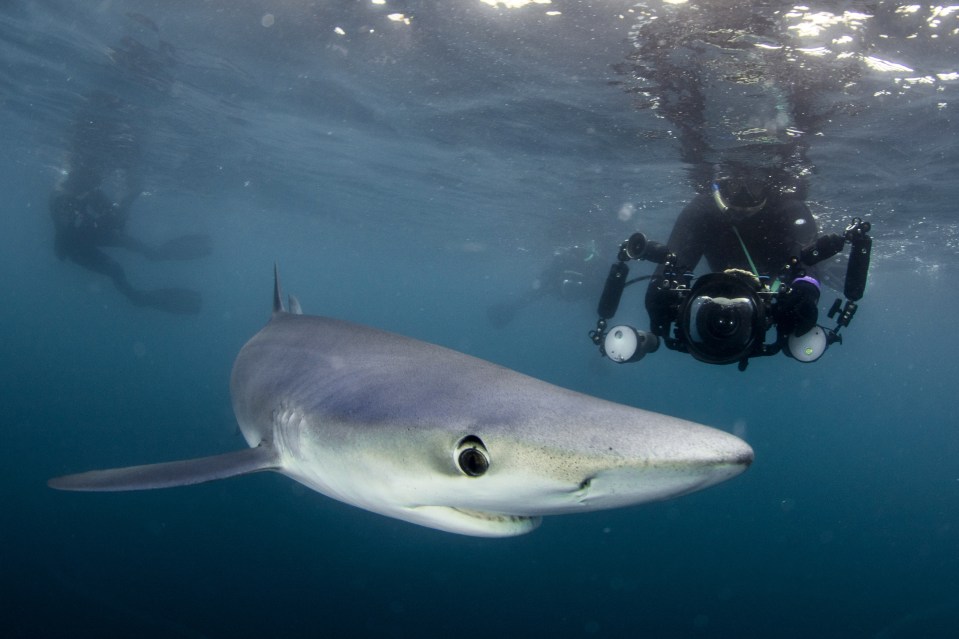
798	310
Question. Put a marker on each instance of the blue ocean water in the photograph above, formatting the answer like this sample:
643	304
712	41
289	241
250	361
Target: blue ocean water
409	165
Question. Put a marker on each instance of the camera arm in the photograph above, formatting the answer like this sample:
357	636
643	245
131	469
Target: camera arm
857	236
636	247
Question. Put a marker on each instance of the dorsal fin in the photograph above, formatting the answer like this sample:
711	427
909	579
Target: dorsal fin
277	296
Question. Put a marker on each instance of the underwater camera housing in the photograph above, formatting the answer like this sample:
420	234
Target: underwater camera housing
723	317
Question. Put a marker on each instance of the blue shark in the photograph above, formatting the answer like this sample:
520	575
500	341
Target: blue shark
428	435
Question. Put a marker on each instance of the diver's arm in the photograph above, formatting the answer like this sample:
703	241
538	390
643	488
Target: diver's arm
690	233
801	228
797	311
687	242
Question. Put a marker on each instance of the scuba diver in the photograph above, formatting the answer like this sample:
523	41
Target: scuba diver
573	273
86	219
101	179
744	103
751	221
761	242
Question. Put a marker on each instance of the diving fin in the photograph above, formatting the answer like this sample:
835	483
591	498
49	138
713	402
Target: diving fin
177	473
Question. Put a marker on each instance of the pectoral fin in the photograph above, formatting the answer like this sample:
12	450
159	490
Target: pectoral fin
177	473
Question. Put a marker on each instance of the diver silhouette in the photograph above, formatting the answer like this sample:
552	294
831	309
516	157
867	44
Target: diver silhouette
573	273
91	204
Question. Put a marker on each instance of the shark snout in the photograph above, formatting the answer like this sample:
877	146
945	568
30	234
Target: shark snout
743	456
706	448
718	457
667	473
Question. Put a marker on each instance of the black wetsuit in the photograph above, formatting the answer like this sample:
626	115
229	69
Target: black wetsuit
87	220
779	231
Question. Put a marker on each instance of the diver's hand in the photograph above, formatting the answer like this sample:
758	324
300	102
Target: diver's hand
798	310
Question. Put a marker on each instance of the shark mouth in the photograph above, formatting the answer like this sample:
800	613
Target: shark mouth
472	522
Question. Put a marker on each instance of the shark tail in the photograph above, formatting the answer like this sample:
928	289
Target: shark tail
169	474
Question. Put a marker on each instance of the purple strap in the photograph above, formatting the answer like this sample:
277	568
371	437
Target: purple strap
806	278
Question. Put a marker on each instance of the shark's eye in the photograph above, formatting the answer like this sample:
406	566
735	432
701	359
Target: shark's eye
471	456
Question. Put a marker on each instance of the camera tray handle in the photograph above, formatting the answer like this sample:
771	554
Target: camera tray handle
636	247
856	235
